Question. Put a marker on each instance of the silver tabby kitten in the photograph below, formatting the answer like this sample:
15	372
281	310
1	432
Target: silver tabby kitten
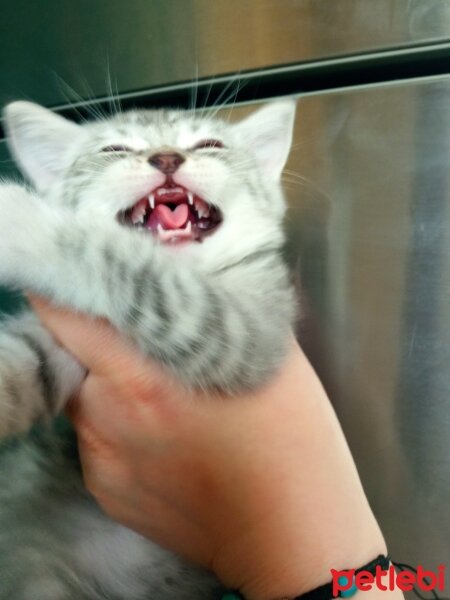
168	224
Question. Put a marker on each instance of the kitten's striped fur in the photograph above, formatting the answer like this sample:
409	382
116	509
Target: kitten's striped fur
217	314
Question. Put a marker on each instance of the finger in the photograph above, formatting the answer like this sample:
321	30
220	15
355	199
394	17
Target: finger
94	342
117	414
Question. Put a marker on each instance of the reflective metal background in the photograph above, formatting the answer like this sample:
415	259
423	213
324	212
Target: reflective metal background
370	228
369	219
144	43
368	183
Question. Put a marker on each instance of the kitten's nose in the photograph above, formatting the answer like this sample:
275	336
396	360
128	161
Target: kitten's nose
167	162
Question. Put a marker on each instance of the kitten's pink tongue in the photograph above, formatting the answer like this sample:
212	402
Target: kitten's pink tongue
169	219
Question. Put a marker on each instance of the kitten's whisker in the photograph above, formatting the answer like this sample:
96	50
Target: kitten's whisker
194	91
294	173
93	98
204	107
91	109
222	100
64	89
240	87
293	178
113	97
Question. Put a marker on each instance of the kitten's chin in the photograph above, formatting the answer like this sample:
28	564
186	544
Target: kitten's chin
173	215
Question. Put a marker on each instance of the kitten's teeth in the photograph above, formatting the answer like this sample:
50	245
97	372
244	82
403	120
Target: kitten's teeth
138	219
190	196
177	190
151	199
160	229
202	208
138	213
188	227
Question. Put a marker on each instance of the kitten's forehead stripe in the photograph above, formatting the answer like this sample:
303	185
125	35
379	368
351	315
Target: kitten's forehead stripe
157	122
122	130
145	118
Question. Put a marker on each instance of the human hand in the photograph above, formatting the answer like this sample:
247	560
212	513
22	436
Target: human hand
261	489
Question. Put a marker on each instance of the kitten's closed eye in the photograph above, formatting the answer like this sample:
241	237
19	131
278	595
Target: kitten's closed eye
210	143
116	148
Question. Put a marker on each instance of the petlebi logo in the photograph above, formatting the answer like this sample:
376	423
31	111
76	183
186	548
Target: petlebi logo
348	582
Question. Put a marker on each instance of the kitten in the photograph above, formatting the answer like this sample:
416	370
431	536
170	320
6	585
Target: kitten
168	224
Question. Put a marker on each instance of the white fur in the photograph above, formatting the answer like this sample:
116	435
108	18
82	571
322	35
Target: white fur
248	311
260	145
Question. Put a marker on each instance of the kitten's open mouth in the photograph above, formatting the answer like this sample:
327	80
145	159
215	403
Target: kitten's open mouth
173	214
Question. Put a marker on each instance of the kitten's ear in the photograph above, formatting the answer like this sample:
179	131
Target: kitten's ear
38	140
268	134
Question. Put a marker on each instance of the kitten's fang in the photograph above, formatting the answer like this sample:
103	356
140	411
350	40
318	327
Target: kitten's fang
173	214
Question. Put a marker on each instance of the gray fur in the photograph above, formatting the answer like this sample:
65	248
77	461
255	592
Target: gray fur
55	543
217	315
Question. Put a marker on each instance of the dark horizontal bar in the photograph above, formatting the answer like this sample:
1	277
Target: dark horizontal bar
307	77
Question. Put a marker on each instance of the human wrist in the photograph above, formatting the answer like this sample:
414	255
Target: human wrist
374	578
276	564
317	517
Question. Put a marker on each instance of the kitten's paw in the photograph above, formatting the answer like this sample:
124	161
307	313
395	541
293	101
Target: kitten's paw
21	222
37	376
